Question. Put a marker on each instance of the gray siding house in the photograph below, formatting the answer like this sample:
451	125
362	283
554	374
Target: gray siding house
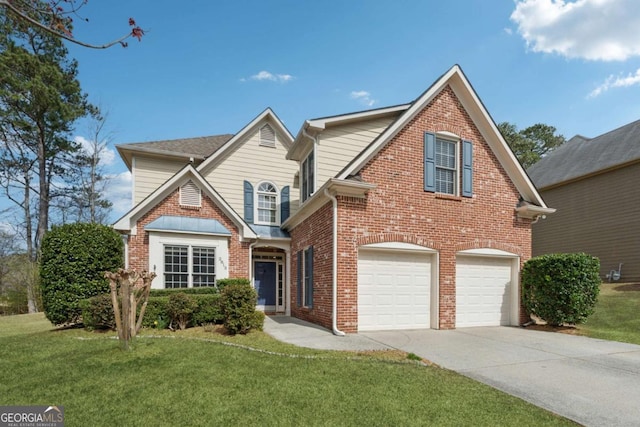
594	183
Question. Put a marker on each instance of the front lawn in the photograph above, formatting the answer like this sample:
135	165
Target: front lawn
617	315
205	378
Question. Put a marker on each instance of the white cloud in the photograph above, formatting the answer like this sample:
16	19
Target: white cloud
612	82
364	97
118	192
267	76
107	156
597	30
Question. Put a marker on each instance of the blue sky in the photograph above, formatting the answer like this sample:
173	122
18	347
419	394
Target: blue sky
209	67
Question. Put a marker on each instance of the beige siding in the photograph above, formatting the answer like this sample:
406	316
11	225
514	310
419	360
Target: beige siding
337	146
253	163
598	215
150	173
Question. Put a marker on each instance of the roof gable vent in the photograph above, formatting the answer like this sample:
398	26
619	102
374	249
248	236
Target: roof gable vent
190	195
267	136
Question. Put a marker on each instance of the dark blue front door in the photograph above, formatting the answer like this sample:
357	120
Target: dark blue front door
265	280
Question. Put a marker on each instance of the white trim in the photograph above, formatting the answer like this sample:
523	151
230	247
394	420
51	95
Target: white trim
256	207
487	252
321	123
133	181
157	241
398	246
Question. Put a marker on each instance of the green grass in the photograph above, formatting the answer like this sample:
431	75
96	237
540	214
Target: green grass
617	315
206	378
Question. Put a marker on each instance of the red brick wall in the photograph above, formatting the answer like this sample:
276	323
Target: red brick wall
399	210
139	244
316	231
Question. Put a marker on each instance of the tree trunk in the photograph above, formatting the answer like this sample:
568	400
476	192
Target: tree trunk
44	180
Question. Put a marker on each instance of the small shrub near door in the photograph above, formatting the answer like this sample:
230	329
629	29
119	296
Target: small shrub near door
561	288
238	305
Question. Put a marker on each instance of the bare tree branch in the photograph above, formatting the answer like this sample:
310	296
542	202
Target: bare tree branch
136	31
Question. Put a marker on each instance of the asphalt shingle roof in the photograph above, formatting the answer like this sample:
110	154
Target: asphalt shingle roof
203	146
582	156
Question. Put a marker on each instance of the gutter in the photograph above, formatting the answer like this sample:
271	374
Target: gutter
334	272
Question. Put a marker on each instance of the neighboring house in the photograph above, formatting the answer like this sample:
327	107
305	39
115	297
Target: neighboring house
593	182
410	216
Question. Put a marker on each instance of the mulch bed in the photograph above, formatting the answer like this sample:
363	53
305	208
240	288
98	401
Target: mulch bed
628	287
571	330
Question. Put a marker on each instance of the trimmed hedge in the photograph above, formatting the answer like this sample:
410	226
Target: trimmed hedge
223	283
188	291
561	288
74	259
97	312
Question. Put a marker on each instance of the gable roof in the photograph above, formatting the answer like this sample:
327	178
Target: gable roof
127	223
197	148
321	123
267	116
580	157
458	82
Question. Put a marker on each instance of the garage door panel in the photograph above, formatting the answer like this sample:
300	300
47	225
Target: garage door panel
393	290
483	291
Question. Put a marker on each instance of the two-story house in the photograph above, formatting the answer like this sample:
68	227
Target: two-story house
411	216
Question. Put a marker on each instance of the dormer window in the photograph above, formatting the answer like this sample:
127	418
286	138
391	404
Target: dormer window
267	136
267	204
307	176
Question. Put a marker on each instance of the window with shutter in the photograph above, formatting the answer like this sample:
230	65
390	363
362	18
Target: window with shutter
267	204
448	165
190	195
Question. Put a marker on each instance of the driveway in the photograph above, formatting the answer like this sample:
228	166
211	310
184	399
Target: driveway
593	382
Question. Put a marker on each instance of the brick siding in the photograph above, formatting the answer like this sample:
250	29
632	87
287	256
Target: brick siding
399	210
139	244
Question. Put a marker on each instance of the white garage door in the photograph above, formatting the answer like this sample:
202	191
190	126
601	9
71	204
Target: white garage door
393	290
483	291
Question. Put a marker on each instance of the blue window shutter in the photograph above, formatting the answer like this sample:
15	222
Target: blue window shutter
309	265
429	162
467	169
284	204
248	202
299	282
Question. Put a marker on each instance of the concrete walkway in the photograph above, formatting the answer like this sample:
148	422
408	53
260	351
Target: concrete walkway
593	382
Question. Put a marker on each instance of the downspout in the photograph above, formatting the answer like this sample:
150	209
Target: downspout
334	273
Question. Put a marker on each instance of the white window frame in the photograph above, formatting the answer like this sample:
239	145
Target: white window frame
308	179
456	169
158	241
256	204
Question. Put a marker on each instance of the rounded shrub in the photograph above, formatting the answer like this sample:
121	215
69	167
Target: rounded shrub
180	308
561	288
74	259
238	305
97	312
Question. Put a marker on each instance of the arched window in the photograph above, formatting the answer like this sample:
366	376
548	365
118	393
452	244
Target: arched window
267	204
